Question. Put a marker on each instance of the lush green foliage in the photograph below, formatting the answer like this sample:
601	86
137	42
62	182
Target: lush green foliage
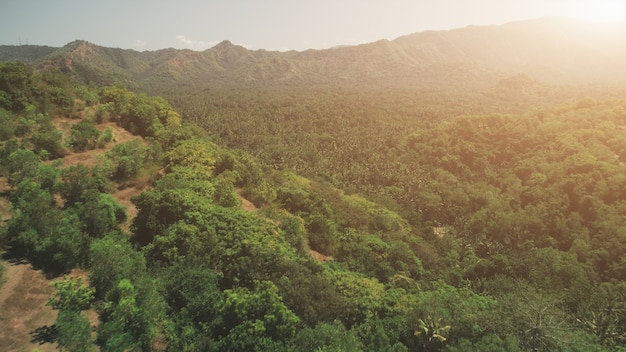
84	136
71	294
72	330
487	232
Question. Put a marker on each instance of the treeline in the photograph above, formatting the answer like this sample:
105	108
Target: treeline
485	239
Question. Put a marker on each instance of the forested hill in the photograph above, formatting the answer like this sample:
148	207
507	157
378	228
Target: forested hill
385	220
553	50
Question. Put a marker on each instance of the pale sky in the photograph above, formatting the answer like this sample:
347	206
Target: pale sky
266	24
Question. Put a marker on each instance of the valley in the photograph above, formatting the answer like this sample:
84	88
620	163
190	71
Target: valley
457	190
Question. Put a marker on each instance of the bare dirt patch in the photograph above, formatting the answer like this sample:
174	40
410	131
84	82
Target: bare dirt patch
64	124
246	204
120	135
23	298
91	158
319	256
123	196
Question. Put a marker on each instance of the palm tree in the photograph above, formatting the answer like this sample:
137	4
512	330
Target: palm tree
432	334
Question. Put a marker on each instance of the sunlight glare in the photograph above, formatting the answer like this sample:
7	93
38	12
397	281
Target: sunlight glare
606	12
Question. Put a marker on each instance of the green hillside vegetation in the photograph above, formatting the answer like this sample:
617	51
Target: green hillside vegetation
385	221
27	53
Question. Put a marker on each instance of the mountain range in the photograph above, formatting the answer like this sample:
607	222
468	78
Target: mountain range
552	50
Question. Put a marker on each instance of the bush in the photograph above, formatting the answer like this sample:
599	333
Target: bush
105	138
128	159
84	136
7	126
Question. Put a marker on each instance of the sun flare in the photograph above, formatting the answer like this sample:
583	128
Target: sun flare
606	12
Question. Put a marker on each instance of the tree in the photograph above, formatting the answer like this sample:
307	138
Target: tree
49	237
195	153
251	316
71	295
158	209
364	296
193	298
73	331
328	337
489	343
47	139
76	182
83	136
113	259
382	334
33	226
449	312
178	223
15	85
128	159
293	230
225	194
192	290
605	314
132	316
48	175
7	125
309	291
21	164
101	213
117	331
432	334
200	180
322	234
69	246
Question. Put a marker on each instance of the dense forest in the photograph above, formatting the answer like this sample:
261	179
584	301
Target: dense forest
382	220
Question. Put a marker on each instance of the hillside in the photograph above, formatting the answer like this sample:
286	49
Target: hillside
553	50
429	193
26	53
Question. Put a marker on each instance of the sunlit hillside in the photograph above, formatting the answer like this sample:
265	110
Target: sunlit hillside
460	190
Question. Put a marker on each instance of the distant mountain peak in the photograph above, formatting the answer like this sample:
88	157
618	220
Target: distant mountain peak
225	43
552	50
79	43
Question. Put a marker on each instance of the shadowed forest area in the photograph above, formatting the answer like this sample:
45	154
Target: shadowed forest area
322	218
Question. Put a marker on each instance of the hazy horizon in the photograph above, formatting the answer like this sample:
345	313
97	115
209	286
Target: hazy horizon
272	25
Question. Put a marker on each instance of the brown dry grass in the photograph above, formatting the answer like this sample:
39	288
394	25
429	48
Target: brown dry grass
23	298
23	308
124	195
91	158
319	256
245	204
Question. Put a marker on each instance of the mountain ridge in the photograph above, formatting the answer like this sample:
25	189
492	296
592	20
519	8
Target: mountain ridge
555	50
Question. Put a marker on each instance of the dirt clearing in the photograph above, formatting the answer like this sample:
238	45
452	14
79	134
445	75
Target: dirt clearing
23	309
